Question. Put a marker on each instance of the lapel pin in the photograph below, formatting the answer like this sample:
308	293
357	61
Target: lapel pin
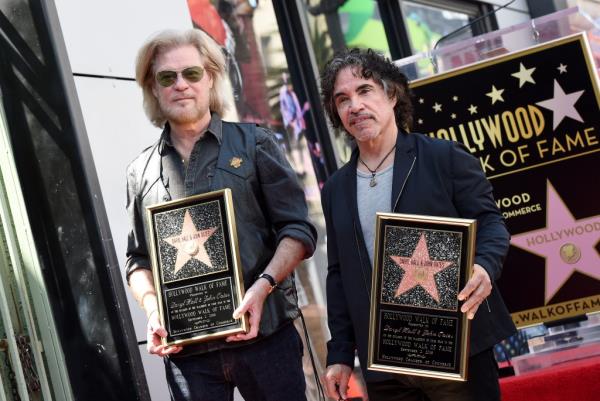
235	162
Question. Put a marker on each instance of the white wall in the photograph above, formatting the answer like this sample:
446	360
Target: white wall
102	37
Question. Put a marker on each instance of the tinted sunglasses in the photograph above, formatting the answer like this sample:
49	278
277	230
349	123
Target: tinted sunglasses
167	78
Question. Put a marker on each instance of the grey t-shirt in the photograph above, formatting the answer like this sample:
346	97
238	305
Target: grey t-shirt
371	200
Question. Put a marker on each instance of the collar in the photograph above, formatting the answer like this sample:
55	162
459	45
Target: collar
215	128
403	161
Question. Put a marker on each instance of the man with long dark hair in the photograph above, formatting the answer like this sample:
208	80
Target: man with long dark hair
392	170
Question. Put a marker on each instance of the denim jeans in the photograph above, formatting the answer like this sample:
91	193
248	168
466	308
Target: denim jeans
268	370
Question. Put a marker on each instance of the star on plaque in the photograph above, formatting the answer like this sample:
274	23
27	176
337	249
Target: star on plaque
437	107
420	270
472	109
524	75
568	245
190	243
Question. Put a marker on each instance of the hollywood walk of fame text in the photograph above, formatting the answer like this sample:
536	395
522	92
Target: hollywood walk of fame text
424	341
200	307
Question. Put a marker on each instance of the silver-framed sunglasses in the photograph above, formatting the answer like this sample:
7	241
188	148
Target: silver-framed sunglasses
167	78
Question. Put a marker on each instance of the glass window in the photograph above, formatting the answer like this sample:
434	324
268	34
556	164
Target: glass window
362	26
261	88
338	24
335	25
426	23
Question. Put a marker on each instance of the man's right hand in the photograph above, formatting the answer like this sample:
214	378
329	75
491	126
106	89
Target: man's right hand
336	381
154	334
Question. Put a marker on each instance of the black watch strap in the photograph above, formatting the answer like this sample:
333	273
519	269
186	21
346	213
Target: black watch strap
270	279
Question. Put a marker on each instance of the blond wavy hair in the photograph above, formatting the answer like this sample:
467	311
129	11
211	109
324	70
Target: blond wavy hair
210	52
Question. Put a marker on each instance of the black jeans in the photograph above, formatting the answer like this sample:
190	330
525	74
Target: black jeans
268	370
482	385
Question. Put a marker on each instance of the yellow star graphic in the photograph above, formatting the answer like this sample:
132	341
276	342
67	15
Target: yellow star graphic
496	94
472	109
190	243
524	75
437	107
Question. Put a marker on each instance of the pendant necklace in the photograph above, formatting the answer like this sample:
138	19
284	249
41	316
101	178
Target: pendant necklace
373	181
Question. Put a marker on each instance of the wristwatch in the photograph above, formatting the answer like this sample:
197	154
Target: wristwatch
270	279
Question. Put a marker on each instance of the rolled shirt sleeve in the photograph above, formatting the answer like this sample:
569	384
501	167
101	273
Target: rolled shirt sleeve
137	251
284	198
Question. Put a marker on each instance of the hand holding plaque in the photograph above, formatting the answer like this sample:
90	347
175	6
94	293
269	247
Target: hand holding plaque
416	326
196	267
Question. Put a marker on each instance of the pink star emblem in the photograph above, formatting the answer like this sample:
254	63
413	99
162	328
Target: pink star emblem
419	269
566	244
190	243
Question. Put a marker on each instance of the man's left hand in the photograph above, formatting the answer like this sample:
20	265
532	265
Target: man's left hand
253	304
476	291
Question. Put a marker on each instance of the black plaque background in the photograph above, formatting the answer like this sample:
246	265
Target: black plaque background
407	339
208	305
218	324
413	331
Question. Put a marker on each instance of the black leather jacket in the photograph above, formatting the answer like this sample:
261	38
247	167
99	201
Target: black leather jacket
268	202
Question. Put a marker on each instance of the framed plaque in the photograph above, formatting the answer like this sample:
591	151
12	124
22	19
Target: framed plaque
416	326
196	267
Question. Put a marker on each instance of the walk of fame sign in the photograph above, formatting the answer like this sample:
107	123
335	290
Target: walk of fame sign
196	267
532	118
416	326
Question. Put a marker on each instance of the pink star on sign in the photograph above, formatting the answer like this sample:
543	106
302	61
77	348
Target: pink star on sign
566	244
419	269
190	243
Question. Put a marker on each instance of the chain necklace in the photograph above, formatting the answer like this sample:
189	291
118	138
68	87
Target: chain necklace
373	181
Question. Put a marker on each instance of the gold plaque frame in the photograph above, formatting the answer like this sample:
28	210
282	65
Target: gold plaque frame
416	326
196	267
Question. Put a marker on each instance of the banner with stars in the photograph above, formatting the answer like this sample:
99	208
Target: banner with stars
532	119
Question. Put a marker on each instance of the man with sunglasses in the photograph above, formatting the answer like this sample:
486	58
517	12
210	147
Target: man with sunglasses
181	75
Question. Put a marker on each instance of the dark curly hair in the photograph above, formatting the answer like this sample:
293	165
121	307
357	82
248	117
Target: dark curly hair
369	65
